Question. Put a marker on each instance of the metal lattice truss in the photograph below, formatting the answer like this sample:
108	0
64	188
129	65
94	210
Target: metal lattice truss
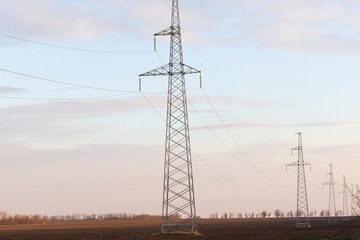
168	69
178	207
355	200
302	210
332	205
345	211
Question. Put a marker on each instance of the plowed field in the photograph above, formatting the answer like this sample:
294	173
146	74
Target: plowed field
214	229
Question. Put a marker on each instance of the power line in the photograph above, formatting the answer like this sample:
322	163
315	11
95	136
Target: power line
217	138
224	177
238	145
65	83
198	156
73	48
242	151
219	92
62	99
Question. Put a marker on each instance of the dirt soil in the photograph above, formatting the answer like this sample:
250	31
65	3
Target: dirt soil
214	229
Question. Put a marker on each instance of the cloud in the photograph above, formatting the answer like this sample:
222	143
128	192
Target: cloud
322	124
5	90
57	19
71	109
320	27
271	125
305	26
235	100
69	122
297	25
235	125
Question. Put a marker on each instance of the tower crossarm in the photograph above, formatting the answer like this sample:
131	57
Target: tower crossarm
169	31
168	70
295	164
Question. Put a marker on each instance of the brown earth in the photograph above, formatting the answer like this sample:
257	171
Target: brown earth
210	229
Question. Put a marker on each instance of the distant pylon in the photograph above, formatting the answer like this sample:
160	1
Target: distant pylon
345	198
178	206
357	201
332	206
302	208
353	202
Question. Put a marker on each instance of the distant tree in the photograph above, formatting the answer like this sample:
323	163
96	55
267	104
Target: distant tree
263	214
291	214
322	213
277	213
269	214
246	215
311	213
327	213
212	215
239	215
282	214
252	215
315	213
224	215
339	213
231	215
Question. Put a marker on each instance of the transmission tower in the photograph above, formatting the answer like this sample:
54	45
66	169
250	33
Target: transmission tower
302	209
332	206
178	205
352	201
345	198
356	201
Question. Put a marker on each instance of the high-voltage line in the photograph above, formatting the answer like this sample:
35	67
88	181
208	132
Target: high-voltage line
332	205
302	208
178	205
345	211
65	83
72	48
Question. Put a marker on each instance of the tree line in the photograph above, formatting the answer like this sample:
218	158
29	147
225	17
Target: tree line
7	219
277	213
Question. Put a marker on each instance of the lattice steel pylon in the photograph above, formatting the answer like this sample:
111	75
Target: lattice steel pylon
178	206
353	201
332	205
345	211
302	208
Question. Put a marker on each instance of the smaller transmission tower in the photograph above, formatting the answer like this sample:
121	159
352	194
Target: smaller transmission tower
302	209
356	198
345	198
332	206
353	202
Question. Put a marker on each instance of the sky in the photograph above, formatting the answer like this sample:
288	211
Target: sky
269	69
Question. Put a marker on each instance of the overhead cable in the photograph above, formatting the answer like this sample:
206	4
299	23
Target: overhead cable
73	48
62	99
197	155
238	145
65	83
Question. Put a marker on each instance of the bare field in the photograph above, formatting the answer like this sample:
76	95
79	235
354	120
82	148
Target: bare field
214	229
